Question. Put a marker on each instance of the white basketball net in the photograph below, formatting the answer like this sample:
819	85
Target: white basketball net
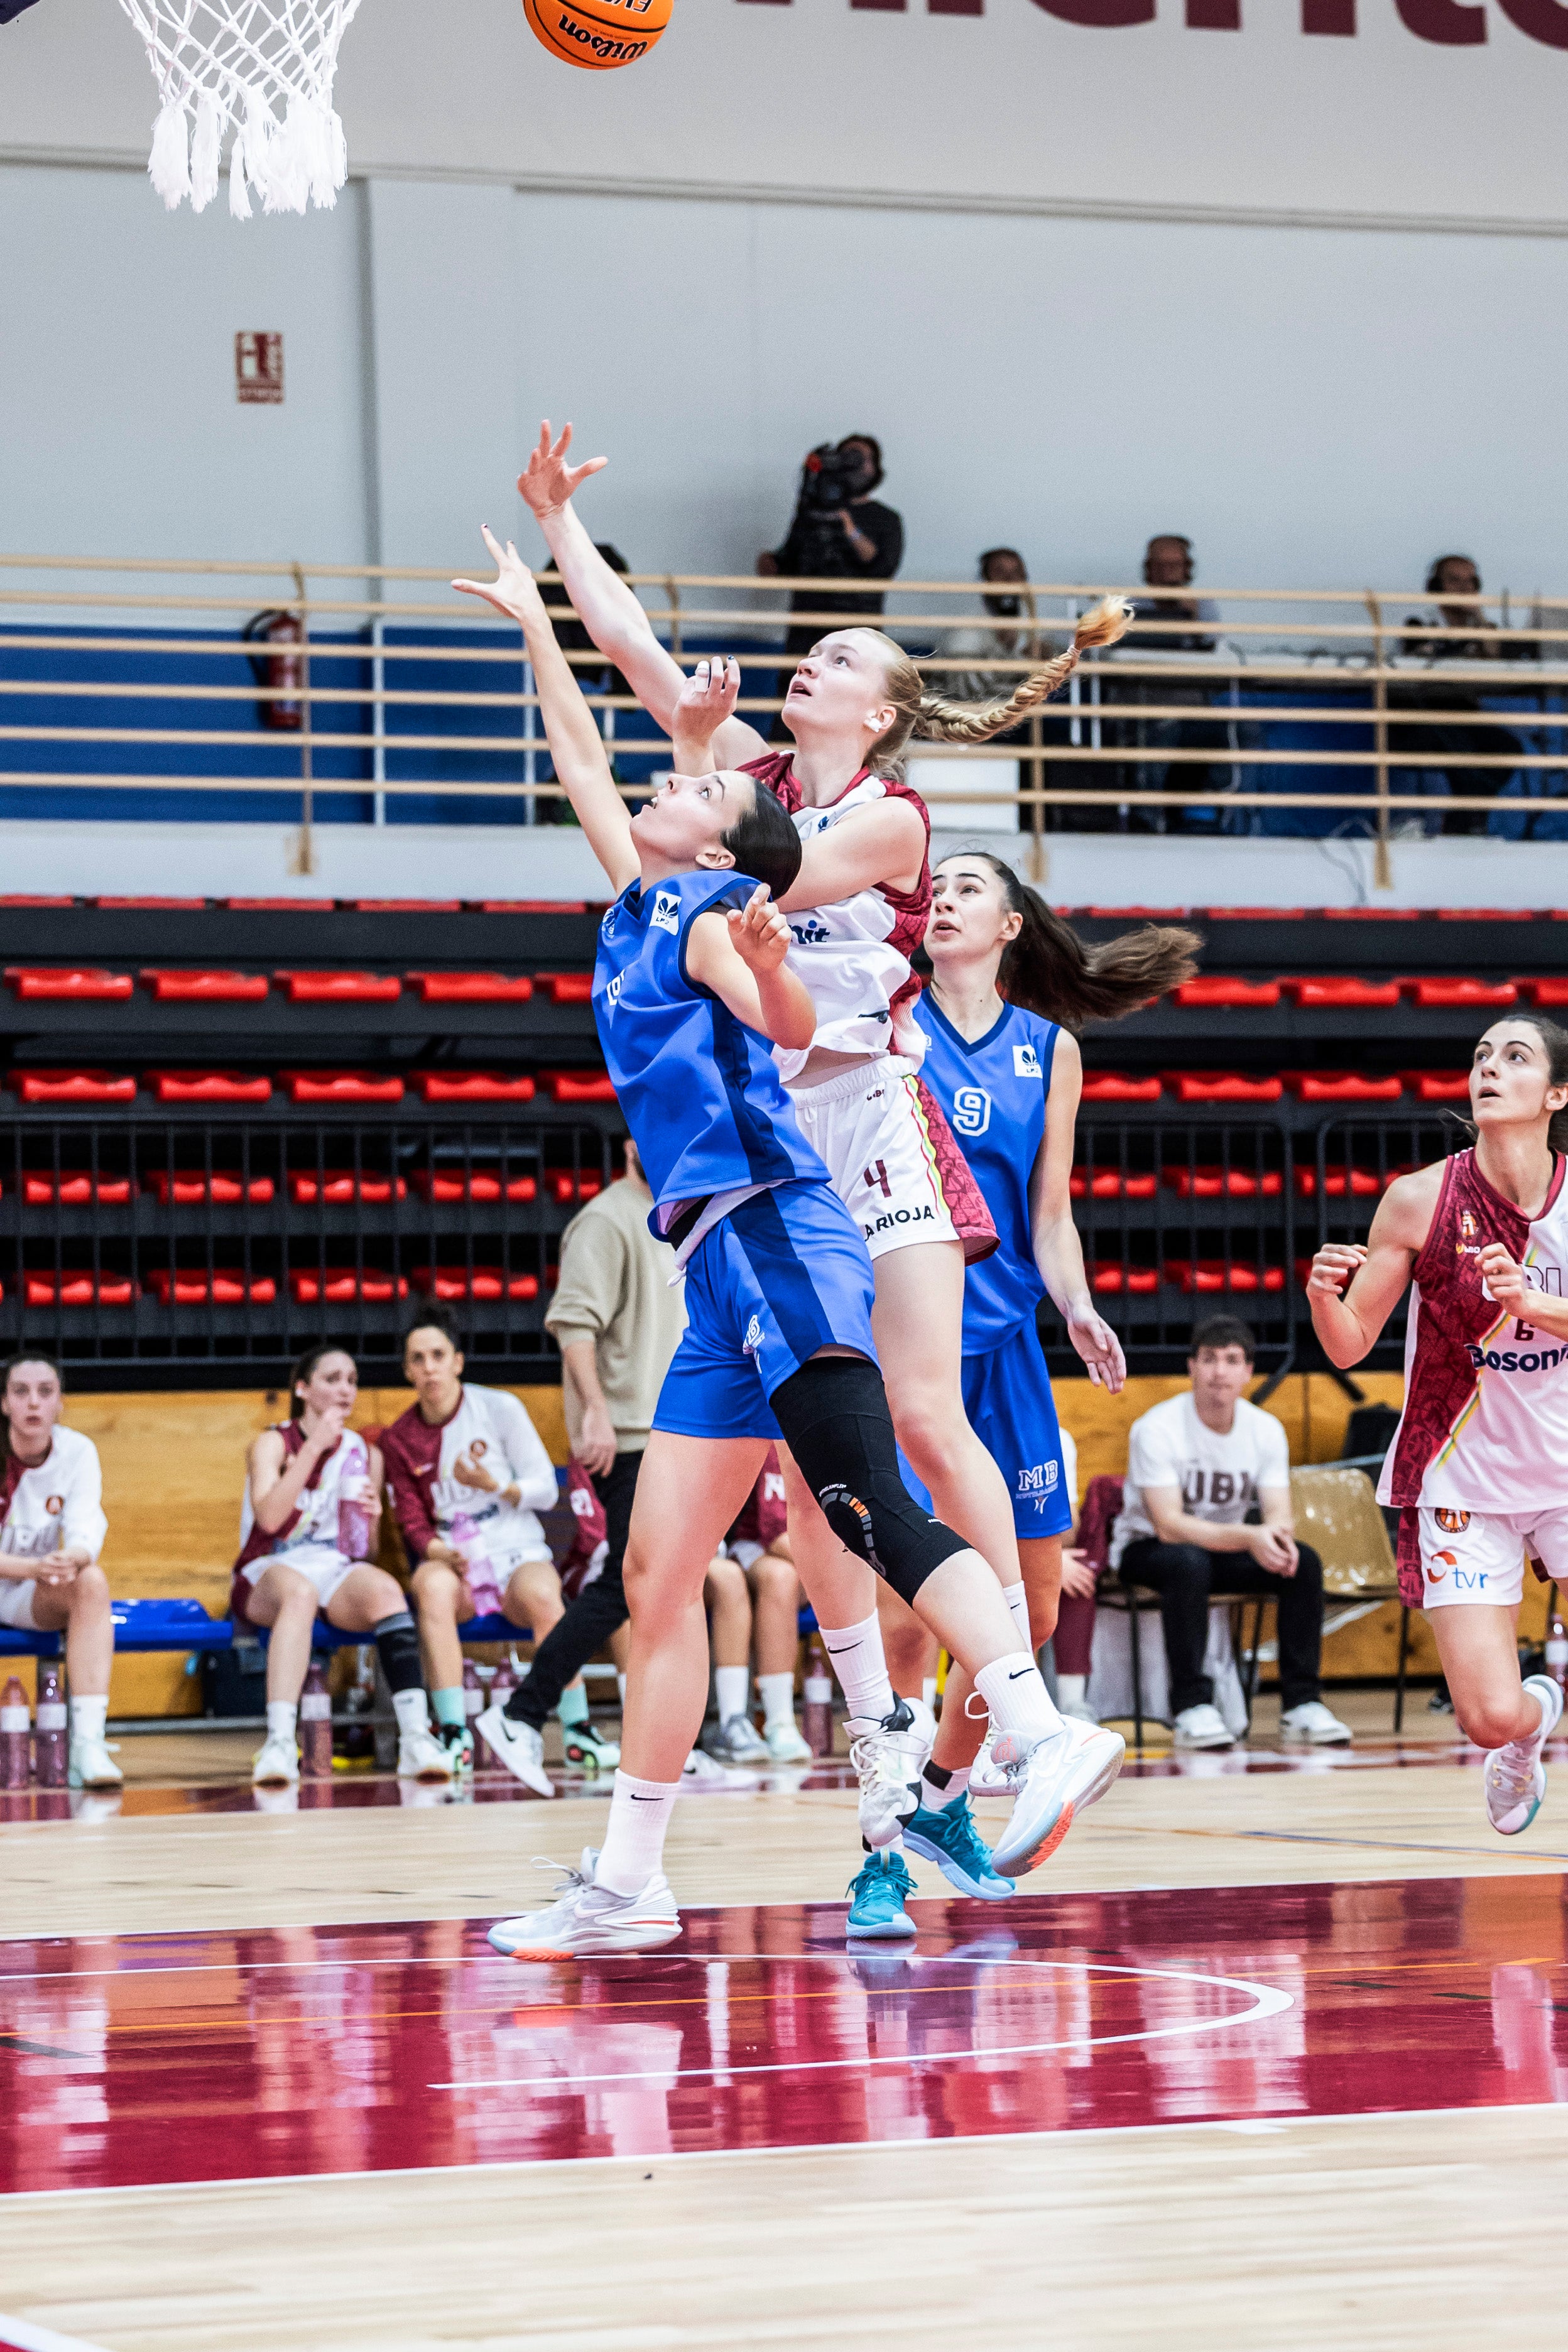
260	68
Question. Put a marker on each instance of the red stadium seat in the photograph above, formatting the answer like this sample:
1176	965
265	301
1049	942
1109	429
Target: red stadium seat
1546	994
1255	914
190	1187
533	906
66	982
207	1086
1109	1184
434	1184
407	906
1109	1086
69	1289
1220	1086
470	1086
226	1286
339	1185
1139	914
341	1087
486	1282
1320	994
566	987
1210	1274
1219	1183
1106	1275
1340	1085
1371	914
1218	992
153	906
340	987
1436	994
1438	1085
205	987
1485	915
578	1087
77	1192
281	905
1337	1183
471	987
30	899
341	1287
564	1187
70	1087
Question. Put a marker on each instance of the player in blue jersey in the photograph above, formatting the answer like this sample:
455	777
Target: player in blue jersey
690	992
1007	974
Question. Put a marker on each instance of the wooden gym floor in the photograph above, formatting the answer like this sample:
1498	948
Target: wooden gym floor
1272	2052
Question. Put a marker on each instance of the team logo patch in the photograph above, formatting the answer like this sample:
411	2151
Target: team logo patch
612	988
55	1506
754	1339
1434	1574
1026	1063
1040	1479
665	914
971	1105
1453	1523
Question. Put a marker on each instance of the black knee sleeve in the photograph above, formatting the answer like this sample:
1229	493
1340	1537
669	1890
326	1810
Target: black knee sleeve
834	1418
397	1646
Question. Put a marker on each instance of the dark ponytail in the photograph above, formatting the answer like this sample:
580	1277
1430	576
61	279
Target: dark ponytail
1555	1041
24	1356
1049	971
304	1370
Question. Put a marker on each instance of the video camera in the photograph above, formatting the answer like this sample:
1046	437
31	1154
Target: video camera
830	478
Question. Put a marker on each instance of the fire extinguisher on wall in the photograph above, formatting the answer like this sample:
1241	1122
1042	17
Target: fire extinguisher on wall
282	668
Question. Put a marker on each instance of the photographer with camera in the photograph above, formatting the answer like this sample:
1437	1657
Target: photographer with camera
839	532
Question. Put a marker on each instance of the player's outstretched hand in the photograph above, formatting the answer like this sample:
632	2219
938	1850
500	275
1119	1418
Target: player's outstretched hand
1101	1348
547	481
1504	1279
1332	1267
513	591
707	698
758	932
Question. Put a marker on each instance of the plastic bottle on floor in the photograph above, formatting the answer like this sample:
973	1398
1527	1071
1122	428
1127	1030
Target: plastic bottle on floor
50	1745
316	1727
817	1701
15	1736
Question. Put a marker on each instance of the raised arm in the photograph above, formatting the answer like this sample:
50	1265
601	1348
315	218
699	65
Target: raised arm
606	607
1059	1251
1349	1325
740	959
582	769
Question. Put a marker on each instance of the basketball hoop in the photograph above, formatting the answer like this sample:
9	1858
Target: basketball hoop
260	68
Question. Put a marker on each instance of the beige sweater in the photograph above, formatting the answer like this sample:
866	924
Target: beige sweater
615	1289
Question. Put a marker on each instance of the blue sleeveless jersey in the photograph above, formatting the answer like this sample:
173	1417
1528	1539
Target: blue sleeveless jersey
994	1093
700	1091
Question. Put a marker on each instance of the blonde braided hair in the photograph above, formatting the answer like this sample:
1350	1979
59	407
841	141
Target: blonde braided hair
933	719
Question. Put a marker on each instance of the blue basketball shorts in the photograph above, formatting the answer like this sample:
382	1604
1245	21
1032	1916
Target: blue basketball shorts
1007	1396
781	1276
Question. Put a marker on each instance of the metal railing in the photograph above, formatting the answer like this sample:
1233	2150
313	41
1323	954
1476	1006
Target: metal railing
1341	709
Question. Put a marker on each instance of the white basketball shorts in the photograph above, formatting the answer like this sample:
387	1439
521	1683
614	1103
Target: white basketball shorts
324	1565
893	1159
1478	1556
17	1602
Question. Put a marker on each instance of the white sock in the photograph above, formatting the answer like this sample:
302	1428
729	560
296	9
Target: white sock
412	1710
861	1668
282	1716
733	1685
936	1793
1017	1697
777	1695
633	1840
928	1690
88	1717
1017	1601
1071	1686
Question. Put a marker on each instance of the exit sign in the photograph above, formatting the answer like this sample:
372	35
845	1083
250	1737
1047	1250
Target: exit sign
258	370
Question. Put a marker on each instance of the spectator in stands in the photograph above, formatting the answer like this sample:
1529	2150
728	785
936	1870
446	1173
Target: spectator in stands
839	532
309	1528
616	1321
1460	733
52	1529
752	1587
1014	637
1206	1511
1170	566
467	1473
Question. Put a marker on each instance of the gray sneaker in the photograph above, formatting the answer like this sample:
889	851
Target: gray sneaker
736	1742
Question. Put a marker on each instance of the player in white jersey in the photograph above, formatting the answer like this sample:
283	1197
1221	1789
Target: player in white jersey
308	1531
52	1529
857	911
1479	1465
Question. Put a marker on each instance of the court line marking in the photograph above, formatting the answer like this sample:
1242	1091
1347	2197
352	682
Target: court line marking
21	2336
1269	2001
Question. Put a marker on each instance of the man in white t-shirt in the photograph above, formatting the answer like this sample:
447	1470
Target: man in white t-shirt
1206	1512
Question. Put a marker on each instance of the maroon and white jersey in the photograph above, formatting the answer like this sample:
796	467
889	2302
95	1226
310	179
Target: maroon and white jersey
854	956
762	1517
1485	1425
490	1430
312	1526
58	1505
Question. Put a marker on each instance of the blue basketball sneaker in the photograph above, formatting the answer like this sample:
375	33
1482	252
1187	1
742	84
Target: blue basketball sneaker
949	1838
880	1890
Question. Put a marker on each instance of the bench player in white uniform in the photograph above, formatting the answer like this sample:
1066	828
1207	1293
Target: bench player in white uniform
52	1529
857	911
1480	1464
307	1524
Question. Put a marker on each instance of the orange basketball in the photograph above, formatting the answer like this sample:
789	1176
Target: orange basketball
598	34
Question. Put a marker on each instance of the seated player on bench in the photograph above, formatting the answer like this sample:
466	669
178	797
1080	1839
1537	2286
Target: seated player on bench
752	1588
309	1525
52	1529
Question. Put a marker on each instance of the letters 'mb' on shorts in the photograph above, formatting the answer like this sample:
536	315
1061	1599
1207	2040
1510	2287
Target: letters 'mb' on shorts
1478	1556
1008	1401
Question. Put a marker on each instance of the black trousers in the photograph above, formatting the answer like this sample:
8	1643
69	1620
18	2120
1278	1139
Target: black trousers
599	1610
1187	1578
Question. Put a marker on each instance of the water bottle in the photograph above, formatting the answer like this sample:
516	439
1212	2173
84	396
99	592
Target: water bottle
356	1742
316	1726
354	1525
817	1710
15	1736
1557	1654
50	1745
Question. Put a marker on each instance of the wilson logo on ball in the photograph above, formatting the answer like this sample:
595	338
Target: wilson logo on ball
598	34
